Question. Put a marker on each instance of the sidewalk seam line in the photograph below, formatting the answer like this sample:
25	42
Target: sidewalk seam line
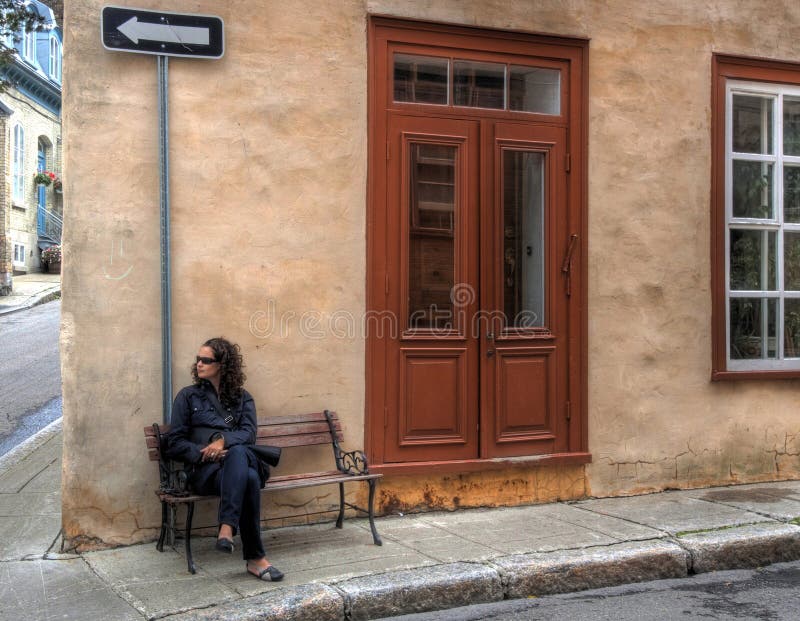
112	587
766	515
664	532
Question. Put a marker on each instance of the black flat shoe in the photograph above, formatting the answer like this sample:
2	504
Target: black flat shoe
224	545
268	574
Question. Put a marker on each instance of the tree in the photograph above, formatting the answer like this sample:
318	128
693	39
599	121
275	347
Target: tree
16	16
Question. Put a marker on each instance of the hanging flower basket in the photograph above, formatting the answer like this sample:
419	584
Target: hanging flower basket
44	178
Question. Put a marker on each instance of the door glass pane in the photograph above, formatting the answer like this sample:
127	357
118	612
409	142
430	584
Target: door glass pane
791	323
479	85
420	79
791	126
752	190
752	124
431	269
534	89
791	194
791	261
523	238
753	256
752	324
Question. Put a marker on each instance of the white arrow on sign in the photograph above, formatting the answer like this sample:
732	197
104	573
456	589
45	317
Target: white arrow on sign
135	30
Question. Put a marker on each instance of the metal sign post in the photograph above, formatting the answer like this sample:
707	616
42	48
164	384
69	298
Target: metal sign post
166	272
164	34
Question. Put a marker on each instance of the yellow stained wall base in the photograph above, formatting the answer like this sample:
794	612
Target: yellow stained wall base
496	488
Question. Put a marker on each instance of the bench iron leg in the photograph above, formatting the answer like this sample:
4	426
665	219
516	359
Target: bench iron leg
162	535
188	535
340	519
172	513
376	538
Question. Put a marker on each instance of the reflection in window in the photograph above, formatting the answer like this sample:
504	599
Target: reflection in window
753	256
432	219
752	124
420	79
752	322
791	126
479	85
535	89
523	238
752	190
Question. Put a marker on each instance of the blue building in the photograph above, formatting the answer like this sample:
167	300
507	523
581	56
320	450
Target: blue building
30	143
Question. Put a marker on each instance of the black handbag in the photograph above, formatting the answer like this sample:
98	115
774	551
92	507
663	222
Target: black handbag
271	455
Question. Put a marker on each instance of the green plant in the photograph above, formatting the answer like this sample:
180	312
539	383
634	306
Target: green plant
44	177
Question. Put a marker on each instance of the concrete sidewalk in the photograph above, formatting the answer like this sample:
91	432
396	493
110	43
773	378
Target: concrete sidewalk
30	290
428	561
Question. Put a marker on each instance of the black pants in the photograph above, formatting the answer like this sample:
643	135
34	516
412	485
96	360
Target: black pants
239	489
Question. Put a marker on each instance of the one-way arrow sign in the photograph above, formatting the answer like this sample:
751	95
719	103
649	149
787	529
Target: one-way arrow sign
162	32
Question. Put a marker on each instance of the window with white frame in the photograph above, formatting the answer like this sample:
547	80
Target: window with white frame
18	164
19	254
762	213
55	59
29	46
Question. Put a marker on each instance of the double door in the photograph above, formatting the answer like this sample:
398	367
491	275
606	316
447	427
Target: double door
478	254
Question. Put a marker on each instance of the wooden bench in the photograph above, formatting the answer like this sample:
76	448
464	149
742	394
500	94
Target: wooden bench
321	428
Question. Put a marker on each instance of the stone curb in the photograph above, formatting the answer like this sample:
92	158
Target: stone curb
565	571
742	547
309	602
420	590
48	295
28	446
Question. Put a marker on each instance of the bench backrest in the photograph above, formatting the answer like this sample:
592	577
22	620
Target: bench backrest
282	431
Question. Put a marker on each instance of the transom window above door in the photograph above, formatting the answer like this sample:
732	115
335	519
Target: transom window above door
443	81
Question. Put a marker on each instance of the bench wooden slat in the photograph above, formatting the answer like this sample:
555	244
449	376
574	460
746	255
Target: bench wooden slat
281	483
294	429
302	440
313	417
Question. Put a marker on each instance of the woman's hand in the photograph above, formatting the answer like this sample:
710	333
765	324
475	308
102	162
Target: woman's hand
215	451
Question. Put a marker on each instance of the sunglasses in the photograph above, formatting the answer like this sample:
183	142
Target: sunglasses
206	360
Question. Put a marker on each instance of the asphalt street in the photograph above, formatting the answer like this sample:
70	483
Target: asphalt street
770	593
30	372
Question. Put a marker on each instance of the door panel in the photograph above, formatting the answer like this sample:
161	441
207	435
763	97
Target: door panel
525	398
431	256
524	373
432	404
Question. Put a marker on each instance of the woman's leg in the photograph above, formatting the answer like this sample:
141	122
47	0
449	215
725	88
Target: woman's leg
250	520
233	486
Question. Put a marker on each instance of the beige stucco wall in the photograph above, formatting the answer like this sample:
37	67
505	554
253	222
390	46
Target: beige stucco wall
269	165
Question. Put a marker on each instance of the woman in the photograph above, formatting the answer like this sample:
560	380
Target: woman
213	422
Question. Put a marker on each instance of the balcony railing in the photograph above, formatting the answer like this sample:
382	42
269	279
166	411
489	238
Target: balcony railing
49	225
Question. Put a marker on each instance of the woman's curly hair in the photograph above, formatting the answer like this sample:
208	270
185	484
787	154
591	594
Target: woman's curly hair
231	376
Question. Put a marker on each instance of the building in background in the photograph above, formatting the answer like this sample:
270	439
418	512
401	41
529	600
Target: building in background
30	133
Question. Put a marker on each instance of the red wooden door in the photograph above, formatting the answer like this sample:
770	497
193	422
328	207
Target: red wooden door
476	324
432	266
524	316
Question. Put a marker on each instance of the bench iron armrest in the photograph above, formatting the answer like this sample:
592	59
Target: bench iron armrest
352	462
171	480
347	462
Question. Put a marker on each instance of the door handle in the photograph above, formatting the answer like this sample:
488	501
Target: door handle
566	266
489	353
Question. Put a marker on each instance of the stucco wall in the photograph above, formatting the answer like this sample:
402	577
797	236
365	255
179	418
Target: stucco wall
268	220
